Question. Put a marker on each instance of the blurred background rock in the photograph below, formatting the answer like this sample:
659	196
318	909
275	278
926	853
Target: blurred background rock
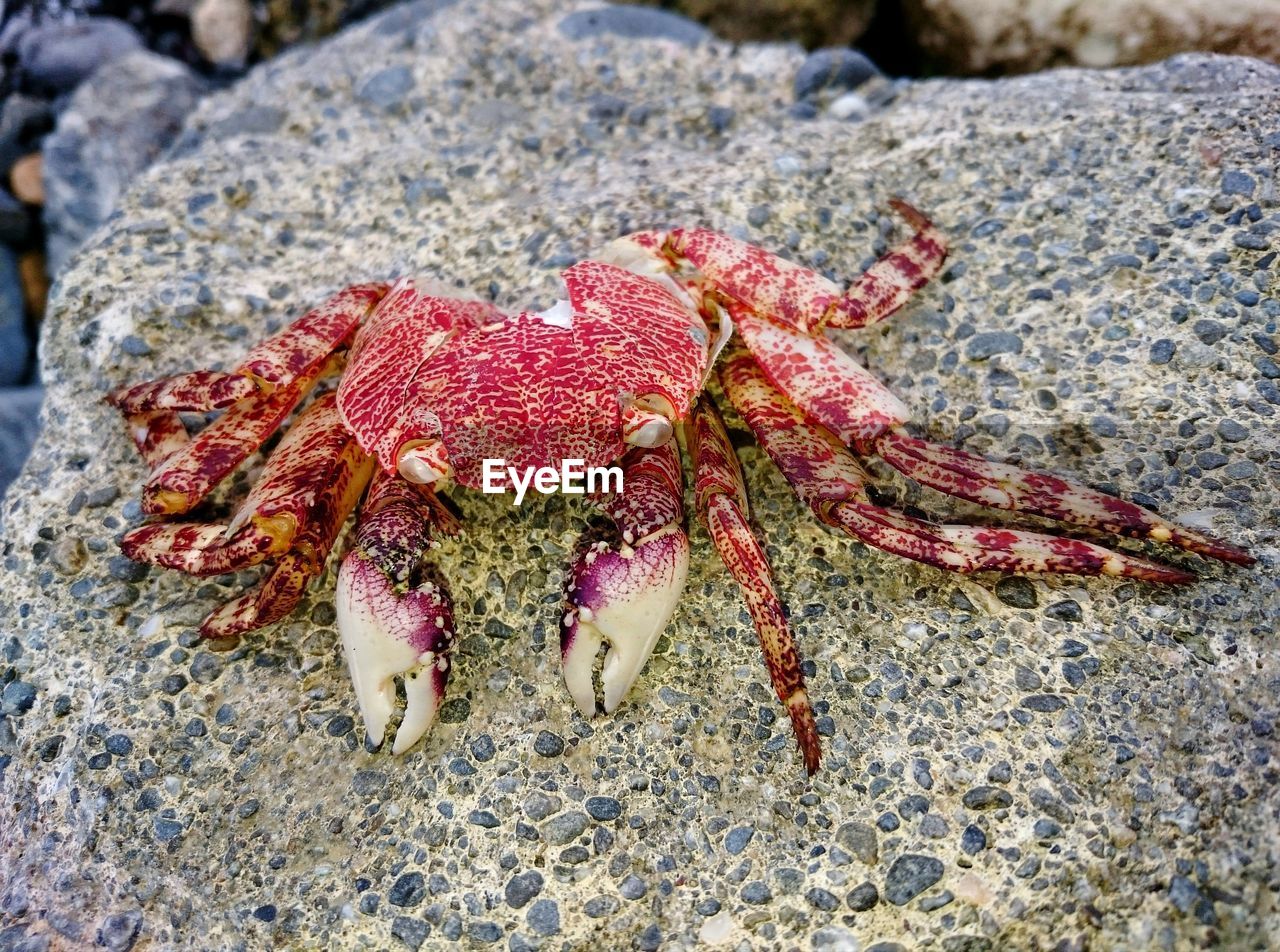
92	91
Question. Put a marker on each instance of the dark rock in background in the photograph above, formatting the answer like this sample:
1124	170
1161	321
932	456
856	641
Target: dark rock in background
110	130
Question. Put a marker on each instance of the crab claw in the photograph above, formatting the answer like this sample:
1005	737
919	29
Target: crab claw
623	593
622	597
395	620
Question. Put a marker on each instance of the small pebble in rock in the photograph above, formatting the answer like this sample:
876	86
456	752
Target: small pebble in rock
910	875
603	808
544	917
523	888
822	899
408	890
836	68
989	343
1017	592
973	840
548	744
987	798
862	897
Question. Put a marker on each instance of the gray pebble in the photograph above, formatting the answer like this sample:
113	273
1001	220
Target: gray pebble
987	798
548	744
603	808
859	839
600	906
989	343
1232	432
120	931
1043	703
1162	351
565	827
833	68
1235	182
632	23
822	899
485	933
387	88
523	888
408	890
167	829
544	917
1209	332
1017	592
973	840
18	697
756	893
862	897
412	932
910	875
736	840
632	887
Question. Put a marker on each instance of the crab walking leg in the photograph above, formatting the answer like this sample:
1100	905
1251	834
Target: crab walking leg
344	476
722	501
158	434
1003	486
802	298
295	477
278	361
186	476
836	391
624	594
827	477
394	619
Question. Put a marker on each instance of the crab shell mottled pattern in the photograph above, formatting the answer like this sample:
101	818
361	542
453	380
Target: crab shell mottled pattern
527	389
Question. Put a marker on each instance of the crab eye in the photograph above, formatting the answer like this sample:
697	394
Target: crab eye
645	424
425	463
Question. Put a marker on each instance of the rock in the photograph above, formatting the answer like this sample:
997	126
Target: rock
909	876
114	127
19	426
289	185
222	30
832	69
977	37
24	121
15	345
809	22
57	56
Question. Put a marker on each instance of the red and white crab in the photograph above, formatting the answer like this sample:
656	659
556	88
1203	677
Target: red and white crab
429	387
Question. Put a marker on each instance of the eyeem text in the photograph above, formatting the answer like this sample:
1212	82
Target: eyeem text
573	476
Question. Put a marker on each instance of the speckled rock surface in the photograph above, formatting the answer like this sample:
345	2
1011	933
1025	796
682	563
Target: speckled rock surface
1015	763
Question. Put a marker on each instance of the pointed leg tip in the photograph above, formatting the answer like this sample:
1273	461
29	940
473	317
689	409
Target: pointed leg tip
806	731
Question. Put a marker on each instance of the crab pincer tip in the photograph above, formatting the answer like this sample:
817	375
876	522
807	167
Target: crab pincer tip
623	598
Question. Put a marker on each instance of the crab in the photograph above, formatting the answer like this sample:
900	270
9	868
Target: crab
429	387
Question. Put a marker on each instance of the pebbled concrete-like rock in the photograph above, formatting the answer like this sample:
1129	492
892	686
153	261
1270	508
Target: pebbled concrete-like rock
1080	760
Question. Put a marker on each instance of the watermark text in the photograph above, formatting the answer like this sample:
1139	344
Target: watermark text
573	476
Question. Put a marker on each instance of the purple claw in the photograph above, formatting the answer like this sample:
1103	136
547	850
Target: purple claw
395	621
623	597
